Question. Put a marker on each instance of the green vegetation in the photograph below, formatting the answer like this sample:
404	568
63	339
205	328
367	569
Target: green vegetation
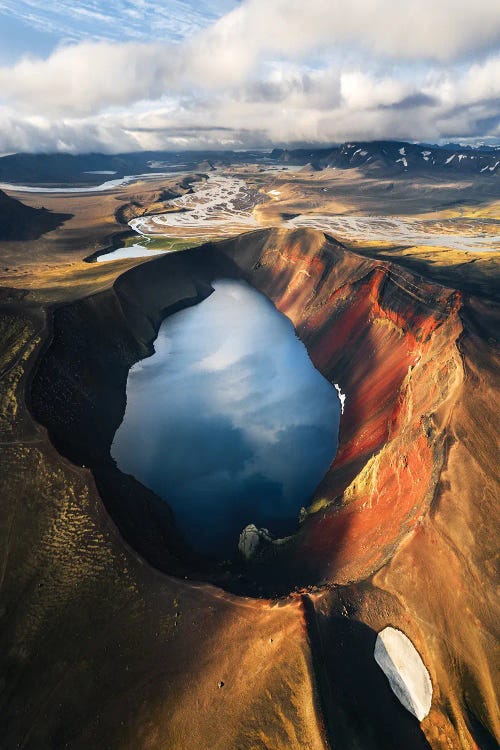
169	244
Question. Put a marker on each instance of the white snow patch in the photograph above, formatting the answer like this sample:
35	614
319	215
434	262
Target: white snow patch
407	674
450	158
405	163
426	153
274	192
342	396
402	151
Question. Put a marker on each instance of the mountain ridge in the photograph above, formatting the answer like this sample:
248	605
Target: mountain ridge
381	156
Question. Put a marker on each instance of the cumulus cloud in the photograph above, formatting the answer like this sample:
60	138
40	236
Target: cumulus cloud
268	71
414	30
87	77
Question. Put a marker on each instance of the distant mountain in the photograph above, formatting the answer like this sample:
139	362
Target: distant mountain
59	168
92	169
20	222
396	157
384	157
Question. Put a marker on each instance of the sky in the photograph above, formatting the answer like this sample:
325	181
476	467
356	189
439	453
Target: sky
128	75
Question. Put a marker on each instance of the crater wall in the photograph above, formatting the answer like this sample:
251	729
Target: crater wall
398	534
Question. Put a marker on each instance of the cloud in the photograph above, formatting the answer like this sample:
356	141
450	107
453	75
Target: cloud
46	134
415	100
88	77
267	72
414	30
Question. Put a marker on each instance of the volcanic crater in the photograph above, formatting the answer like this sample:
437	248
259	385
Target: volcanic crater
395	546
386	336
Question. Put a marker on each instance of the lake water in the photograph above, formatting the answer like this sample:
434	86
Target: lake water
107	185
132	251
228	421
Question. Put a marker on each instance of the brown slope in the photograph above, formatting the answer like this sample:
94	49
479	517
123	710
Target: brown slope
418	366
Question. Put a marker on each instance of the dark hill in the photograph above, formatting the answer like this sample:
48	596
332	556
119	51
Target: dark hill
20	222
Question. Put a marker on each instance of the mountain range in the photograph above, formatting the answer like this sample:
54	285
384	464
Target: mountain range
392	157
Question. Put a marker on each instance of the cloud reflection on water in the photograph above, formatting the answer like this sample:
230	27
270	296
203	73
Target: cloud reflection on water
228	421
